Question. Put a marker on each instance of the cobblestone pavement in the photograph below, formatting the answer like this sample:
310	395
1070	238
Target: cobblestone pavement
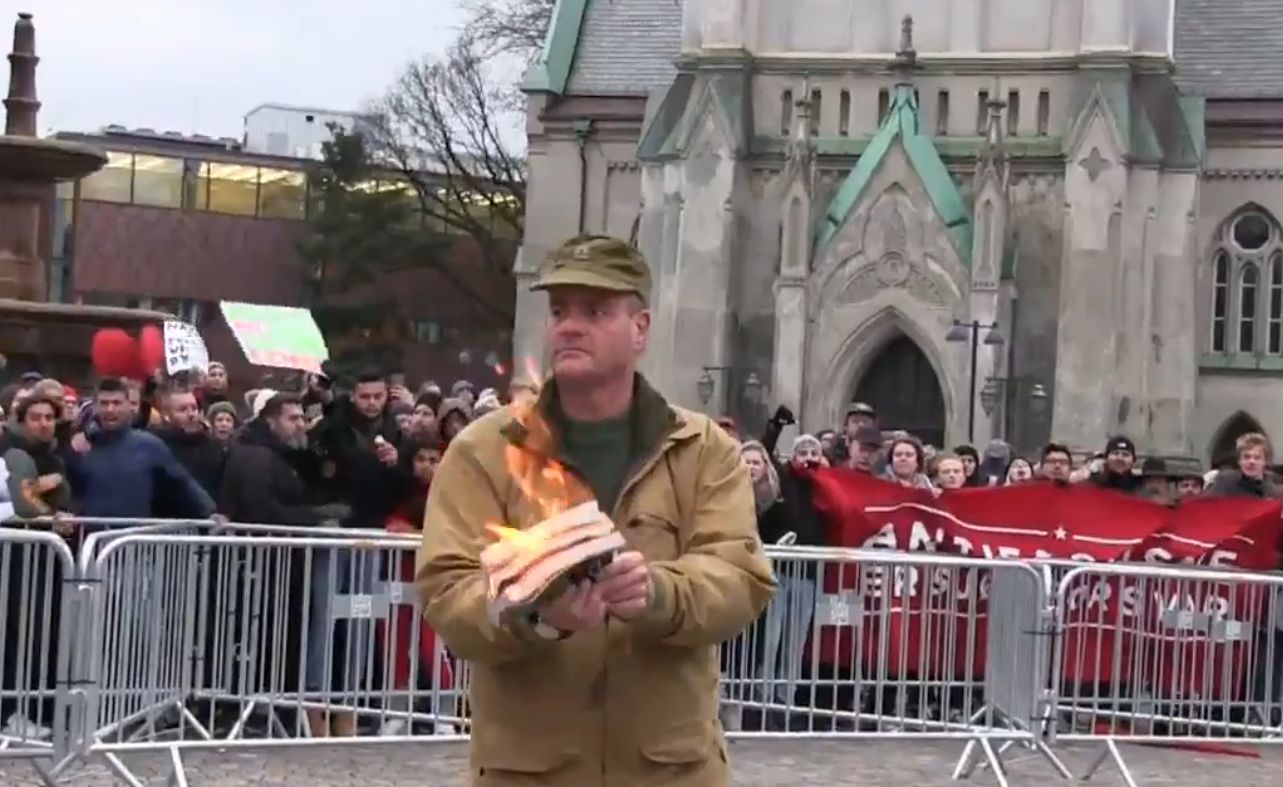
756	764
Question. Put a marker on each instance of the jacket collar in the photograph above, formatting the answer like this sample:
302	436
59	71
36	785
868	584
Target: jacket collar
655	424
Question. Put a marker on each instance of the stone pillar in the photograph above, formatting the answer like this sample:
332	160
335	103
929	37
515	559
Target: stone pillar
1091	282
1106	25
714	24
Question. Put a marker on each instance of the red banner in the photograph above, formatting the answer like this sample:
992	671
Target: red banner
1175	631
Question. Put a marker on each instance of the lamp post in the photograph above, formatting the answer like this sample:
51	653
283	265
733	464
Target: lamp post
1007	390
706	385
970	331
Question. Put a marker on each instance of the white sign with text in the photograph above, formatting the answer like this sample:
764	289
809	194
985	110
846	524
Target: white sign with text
184	349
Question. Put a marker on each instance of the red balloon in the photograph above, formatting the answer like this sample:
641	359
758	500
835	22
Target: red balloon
115	353
151	349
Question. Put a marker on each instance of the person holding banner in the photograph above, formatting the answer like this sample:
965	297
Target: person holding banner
1119	470
1250	479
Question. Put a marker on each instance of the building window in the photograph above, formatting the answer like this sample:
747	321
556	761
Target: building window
427	332
884	105
282	194
844	113
786	112
942	113
1013	113
114	182
1220	300
232	188
1247	287
1275	335
158	181
1247	295
982	113
816	107
1044	112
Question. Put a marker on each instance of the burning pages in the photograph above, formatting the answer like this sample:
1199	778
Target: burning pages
526	567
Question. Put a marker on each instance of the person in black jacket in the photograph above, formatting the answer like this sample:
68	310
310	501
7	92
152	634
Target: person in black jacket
1119	472
191	443
264	484
359	447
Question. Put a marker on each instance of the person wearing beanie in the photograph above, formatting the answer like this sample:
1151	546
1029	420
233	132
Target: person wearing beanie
1119	470
403	412
223	420
452	418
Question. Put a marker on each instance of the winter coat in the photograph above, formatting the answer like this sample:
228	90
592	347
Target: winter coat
631	703
26	461
125	470
350	469
262	485
203	456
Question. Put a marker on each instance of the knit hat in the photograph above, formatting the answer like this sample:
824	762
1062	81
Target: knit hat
261	399
1120	443
224	407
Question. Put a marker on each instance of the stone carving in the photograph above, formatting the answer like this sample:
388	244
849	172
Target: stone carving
1095	164
893	271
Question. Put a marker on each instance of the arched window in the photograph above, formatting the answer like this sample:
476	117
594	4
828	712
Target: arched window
1247	286
1247	295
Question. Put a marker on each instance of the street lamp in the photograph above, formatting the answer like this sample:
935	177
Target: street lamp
970	331
1038	399
989	395
753	388
705	386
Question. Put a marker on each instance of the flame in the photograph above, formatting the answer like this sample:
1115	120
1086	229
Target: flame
543	481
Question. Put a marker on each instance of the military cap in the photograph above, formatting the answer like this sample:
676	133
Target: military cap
596	261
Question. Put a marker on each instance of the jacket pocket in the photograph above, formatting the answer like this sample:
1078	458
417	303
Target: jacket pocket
684	743
654	537
511	753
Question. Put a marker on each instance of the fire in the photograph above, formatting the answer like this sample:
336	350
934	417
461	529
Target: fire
543	481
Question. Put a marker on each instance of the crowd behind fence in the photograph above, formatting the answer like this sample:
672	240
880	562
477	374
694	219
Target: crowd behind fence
171	636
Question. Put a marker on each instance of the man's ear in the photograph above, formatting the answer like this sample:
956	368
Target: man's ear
641	329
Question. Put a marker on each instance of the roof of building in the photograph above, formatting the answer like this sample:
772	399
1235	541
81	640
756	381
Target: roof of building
903	124
1229	49
609	47
1224	49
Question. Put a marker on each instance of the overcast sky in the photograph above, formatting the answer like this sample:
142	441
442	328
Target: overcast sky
200	65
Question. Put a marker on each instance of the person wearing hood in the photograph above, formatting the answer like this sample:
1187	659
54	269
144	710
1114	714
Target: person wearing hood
1119	470
453	417
993	466
36	486
190	442
223	422
214	385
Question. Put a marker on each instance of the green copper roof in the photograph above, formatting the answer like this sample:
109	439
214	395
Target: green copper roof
550	73
902	123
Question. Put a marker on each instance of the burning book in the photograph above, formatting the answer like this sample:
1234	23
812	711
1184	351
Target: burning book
525	568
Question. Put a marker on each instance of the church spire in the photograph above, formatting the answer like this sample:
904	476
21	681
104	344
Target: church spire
801	149
993	153
991	206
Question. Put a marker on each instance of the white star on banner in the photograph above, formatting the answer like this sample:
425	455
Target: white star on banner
1061	533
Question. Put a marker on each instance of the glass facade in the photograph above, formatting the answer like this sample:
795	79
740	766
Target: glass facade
193	184
243	189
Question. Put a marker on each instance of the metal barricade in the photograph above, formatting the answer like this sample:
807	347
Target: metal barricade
35	631
1178	656
259	640
871	643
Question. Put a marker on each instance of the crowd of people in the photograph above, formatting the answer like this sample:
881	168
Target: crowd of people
356	454
902	458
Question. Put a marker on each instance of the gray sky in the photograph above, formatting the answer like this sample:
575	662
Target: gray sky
199	65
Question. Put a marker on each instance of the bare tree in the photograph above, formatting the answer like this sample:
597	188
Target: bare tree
511	27
442	128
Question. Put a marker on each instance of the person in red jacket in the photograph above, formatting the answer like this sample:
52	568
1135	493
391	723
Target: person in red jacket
433	667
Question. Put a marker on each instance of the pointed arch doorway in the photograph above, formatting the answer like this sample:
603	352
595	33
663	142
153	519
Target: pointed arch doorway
902	386
1224	449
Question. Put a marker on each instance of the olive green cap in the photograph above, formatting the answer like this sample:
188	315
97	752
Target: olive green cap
596	261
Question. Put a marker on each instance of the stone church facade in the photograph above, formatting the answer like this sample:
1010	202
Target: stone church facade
988	218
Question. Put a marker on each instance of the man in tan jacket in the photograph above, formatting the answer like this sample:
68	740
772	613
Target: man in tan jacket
613	682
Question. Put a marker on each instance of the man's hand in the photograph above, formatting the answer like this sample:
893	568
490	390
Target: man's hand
80	443
402	394
48	483
625	585
385	451
578	609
